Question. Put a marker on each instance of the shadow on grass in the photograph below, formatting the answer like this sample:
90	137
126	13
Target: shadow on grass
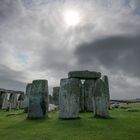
48	122
14	114
68	119
53	122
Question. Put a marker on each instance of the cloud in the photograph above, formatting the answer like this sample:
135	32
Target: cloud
35	42
115	52
11	79
10	9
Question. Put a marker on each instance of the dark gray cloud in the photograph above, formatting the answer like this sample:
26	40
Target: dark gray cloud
10	9
11	79
115	53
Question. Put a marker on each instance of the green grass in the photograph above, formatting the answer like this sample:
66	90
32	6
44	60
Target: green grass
123	126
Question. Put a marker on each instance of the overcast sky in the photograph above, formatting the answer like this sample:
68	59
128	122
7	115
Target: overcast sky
36	42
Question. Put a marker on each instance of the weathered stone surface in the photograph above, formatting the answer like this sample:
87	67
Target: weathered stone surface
11	91
13	101
82	97
69	98
38	99
84	74
105	79
27	94
89	89
100	100
21	98
56	95
4	103
1	99
9	99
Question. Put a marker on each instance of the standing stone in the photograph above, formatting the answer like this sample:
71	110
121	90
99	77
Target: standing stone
56	95
89	89
1	99
100	100
105	79
4	103
21	98
38	99
69	98
13	101
82	98
27	94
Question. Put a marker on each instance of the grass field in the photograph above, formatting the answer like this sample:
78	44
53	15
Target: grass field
123	125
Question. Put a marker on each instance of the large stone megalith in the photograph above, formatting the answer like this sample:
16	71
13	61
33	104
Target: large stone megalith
4	100
1	100
27	94
89	89
38	99
69	98
56	95
105	79
82	97
21	98
13	101
100	100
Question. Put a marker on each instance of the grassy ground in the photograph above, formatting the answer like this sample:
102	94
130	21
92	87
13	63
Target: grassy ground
124	125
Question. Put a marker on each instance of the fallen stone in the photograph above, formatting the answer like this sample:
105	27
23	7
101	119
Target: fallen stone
114	105
84	74
123	106
52	107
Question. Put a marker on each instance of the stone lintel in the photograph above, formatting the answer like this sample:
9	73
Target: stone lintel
84	74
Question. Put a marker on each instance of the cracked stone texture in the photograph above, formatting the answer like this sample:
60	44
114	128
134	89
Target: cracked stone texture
38	99
100	100
105	79
26	100
84	74
69	98
3	100
89	89
13	101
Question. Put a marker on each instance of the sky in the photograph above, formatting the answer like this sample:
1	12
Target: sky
36	42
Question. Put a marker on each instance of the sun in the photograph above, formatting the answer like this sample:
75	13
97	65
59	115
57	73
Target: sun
71	18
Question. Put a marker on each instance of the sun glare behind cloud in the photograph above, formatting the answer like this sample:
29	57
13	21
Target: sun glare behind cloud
71	18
